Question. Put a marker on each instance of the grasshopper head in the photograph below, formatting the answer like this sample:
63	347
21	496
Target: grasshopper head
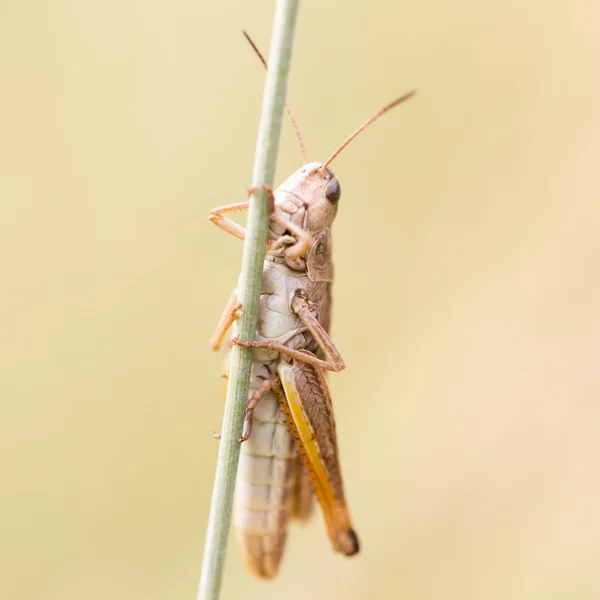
310	197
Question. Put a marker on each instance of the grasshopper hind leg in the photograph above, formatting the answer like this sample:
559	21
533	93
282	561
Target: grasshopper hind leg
306	401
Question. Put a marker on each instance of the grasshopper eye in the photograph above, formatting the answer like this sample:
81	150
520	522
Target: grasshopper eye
333	191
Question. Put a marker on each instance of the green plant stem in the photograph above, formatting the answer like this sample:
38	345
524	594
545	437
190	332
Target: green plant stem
249	293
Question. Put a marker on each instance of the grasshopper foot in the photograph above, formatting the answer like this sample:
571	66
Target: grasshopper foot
238	342
265	188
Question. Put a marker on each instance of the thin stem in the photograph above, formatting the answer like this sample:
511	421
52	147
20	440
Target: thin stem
249	292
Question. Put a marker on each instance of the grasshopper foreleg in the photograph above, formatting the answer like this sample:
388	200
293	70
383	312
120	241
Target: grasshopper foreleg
301	244
216	216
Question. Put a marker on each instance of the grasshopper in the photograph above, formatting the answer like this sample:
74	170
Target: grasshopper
289	429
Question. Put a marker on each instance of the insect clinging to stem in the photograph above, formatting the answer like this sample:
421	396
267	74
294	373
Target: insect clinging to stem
289	440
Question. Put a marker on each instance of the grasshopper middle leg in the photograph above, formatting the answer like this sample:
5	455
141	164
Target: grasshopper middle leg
332	354
334	361
227	319
301	355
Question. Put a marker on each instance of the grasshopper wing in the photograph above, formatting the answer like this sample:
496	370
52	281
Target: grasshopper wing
303	495
307	404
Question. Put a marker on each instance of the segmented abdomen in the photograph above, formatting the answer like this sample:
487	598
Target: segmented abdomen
265	487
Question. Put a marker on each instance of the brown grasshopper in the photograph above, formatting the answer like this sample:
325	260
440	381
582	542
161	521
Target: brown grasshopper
289	429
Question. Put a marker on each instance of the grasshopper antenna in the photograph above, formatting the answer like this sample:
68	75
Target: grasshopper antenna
287	108
366	124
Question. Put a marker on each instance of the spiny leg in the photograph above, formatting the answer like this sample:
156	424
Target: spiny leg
301	355
301	308
216	216
308	407
253	401
255	397
229	315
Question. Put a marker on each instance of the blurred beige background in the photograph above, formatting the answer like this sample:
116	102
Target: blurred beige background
467	292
